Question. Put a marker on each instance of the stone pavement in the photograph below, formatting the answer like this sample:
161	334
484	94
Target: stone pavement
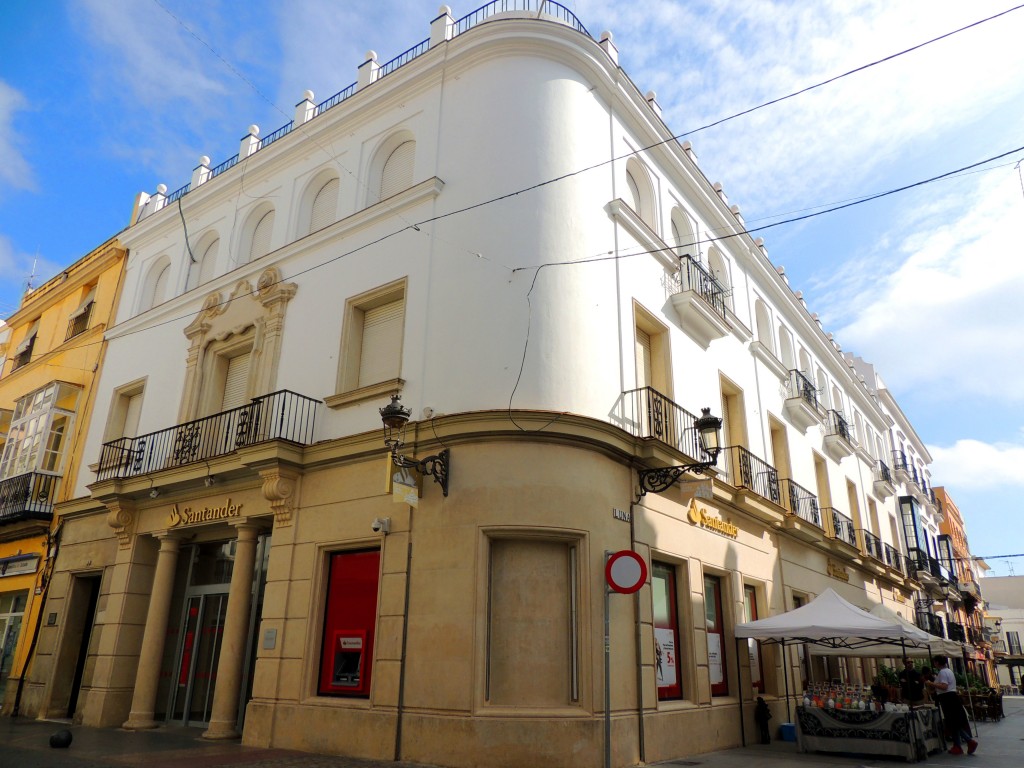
25	744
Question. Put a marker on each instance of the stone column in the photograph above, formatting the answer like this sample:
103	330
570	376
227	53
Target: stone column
224	713
148	677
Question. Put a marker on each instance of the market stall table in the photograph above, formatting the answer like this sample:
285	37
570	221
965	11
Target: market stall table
911	735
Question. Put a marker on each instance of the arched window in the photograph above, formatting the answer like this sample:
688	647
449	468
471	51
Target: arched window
763	321
683	238
720	271
206	265
396	174
786	347
837	399
805	361
640	192
154	289
324	210
259	244
822	381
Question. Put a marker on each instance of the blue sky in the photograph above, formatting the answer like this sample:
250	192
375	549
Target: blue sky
102	99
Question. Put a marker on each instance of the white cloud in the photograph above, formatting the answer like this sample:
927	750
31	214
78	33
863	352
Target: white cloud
945	317
15	170
972	464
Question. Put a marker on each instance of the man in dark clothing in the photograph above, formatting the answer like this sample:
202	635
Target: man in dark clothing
911	684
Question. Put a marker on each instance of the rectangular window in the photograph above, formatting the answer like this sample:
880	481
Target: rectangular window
532	637
716	635
666	631
373	331
346	659
236	382
41	423
753	646
1013	643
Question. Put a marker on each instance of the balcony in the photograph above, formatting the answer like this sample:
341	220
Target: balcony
842	526
930	623
28	497
281	415
801	502
926	566
968	587
699	300
80	322
649	414
975	636
955	632
872	545
754	474
894	559
838	437
802	406
901	467
884	485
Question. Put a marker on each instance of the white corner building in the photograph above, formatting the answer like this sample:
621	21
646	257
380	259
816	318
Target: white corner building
499	228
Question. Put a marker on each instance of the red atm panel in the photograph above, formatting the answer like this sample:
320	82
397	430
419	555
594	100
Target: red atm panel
350	617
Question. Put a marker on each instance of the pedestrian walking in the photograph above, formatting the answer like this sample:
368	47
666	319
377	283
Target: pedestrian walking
952	708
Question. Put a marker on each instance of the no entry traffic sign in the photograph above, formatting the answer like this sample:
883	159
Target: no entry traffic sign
625	572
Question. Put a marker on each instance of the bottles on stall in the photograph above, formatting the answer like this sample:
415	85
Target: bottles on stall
832	697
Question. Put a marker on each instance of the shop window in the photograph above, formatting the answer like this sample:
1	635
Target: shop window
715	623
753	646
12	611
532	634
667	650
350	616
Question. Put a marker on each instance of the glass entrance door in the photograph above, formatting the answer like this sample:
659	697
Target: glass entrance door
203	628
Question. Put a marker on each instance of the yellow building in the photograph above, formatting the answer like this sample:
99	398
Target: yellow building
53	351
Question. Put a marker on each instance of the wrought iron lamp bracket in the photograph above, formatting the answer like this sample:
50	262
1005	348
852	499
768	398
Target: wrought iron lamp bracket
436	467
662	478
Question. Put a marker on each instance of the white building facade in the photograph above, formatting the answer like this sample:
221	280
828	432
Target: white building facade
431	232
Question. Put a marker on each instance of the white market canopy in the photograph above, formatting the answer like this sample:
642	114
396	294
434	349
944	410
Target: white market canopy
936	645
831	621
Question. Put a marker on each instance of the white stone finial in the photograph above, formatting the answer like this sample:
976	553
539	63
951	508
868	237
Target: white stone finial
307	95
444	10
161	189
607	35
651	96
371	56
799	294
254	130
780	269
758	241
204	160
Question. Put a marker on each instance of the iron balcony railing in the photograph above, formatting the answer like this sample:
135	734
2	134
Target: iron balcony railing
883	473
545	7
899	461
28	497
931	497
872	545
930	623
692	276
975	636
650	414
281	415
837	425
842	526
177	194
79	323
925	563
336	99
893	558
801	502
217	170
403	58
755	474
801	386
955	632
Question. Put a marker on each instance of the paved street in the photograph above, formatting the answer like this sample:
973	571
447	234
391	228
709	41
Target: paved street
24	743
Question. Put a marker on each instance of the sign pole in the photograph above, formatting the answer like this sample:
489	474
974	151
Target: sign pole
607	672
625	572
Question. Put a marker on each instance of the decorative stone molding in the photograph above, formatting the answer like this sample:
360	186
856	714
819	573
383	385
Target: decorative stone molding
281	489
255	314
121	517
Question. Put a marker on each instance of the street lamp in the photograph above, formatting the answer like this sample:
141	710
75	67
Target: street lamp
709	437
395	417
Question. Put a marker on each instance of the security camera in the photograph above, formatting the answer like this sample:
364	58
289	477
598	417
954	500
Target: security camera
381	525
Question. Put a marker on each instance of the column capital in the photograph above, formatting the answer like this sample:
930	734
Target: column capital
120	517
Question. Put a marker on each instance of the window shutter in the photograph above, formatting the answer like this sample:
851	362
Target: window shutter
397	173
261	237
325	206
235	382
643	358
380	355
131	416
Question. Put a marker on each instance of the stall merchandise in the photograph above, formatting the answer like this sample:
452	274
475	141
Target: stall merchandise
911	734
